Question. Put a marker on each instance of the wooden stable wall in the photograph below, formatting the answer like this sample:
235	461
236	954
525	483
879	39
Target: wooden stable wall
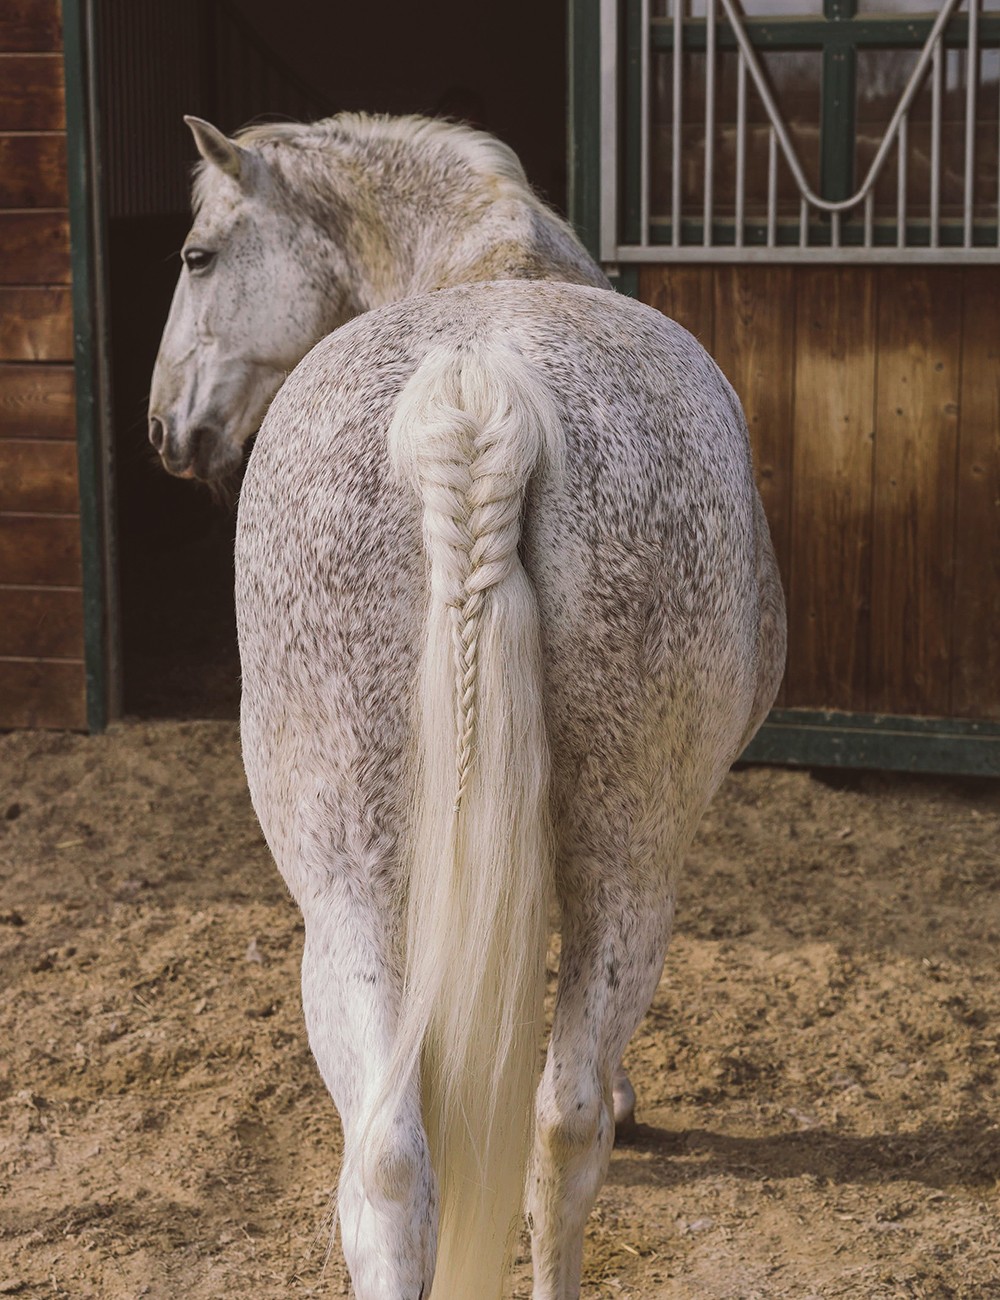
873	400
41	604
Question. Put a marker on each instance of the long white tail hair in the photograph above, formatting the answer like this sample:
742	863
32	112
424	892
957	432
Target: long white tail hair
469	429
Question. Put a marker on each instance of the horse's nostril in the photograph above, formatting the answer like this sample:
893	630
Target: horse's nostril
157	433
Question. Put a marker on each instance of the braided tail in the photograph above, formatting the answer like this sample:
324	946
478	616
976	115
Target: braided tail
468	431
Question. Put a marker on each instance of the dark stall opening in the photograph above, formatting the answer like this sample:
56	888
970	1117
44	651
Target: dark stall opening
230	62
178	638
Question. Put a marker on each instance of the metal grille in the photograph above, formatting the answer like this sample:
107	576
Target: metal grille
840	138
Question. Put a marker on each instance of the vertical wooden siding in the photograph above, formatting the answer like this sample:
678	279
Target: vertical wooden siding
41	602
873	401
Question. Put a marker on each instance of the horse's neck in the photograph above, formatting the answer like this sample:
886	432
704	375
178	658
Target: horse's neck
413	232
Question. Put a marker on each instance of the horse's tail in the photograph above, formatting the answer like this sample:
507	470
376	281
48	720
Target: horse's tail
469	429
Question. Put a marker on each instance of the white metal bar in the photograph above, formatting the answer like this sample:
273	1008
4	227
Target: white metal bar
803	224
935	146
772	187
869	218
812	253
676	124
709	122
901	162
609	130
741	145
835	230
644	125
971	86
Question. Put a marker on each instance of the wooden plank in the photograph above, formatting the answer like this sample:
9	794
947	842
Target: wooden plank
32	96
829	586
38	475
30	26
916	431
975	661
34	248
40	550
36	324
33	171
37	402
754	347
42	693
41	623
685	294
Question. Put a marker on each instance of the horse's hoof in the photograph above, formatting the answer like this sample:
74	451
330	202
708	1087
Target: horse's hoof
623	1099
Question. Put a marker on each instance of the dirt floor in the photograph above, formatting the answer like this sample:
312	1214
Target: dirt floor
817	1078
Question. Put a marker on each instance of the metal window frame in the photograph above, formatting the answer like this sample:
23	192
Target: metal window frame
629	236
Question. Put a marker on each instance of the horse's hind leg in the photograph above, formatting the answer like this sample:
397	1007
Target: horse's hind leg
387	1196
615	931
341	879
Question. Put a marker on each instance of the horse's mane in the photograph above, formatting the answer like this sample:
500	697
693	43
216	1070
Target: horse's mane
345	133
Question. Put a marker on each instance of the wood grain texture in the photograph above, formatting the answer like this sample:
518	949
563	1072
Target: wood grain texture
36	324
38	475
32	97
37	402
755	349
42	693
829	590
40	550
33	171
30	26
919	324
41	623
685	294
34	248
975	618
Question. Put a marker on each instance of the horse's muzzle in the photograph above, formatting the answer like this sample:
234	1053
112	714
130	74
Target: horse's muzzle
202	452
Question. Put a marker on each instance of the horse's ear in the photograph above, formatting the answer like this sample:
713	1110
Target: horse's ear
218	149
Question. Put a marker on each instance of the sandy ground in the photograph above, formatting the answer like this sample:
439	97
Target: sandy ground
817	1078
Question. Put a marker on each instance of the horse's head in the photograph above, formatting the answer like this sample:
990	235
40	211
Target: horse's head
255	293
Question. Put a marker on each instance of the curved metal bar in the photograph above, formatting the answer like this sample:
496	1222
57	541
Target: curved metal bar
809	196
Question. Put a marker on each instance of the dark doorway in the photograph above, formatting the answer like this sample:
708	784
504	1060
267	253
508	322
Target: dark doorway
233	61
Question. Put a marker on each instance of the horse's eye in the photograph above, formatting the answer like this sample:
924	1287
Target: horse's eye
197	259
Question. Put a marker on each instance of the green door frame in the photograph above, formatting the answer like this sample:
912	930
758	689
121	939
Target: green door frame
90	357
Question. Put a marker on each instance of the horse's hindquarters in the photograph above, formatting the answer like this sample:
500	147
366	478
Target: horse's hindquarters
641	547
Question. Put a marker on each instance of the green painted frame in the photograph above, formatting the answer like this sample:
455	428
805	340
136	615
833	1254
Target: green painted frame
808	738
89	357
584	121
